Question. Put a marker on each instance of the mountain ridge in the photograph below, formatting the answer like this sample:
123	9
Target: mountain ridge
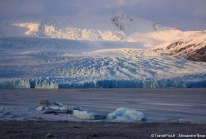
94	28
193	48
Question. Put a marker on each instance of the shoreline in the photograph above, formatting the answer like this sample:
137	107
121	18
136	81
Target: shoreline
103	130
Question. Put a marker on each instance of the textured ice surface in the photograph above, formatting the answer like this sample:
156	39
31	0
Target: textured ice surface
86	115
92	52
103	68
124	114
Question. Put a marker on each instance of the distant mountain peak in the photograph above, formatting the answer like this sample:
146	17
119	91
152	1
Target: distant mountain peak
121	19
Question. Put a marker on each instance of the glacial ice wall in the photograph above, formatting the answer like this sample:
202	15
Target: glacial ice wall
58	83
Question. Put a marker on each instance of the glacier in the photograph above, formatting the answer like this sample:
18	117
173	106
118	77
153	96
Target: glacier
93	52
53	66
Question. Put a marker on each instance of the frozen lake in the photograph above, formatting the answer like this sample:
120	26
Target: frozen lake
157	104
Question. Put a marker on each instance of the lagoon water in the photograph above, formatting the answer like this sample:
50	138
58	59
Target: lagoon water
158	105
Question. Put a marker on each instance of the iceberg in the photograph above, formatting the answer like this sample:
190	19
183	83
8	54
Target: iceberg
186	121
50	110
124	114
85	115
46	107
41	108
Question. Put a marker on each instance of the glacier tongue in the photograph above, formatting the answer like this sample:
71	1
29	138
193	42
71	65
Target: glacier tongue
189	81
66	64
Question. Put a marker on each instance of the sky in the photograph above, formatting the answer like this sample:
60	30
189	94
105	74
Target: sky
139	8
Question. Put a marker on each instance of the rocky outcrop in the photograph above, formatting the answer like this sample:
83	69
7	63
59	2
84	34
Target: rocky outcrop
121	20
193	49
199	55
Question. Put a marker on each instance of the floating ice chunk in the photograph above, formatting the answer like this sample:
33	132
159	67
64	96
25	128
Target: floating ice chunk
49	110
7	113
184	121
39	118
85	115
13	116
124	114
75	108
70	108
1	110
22	119
58	104
41	108
123	119
47	107
55	107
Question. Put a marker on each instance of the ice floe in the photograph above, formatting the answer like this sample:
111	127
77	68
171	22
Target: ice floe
120	114
54	107
85	115
187	121
124	114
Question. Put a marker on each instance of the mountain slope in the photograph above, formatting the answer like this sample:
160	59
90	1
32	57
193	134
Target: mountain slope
116	27
121	20
193	48
199	55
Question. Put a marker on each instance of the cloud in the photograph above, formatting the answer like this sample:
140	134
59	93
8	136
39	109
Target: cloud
14	8
187	8
120	3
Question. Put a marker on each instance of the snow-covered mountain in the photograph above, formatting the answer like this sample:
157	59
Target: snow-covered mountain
193	48
118	27
199	55
98	51
121	20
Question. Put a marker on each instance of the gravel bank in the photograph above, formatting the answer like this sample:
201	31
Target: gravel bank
90	130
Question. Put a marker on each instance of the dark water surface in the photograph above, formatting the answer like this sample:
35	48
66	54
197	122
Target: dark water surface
156	104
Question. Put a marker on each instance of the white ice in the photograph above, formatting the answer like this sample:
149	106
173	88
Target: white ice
86	115
124	114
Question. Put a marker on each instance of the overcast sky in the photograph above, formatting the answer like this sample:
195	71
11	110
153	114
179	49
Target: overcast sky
143	8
